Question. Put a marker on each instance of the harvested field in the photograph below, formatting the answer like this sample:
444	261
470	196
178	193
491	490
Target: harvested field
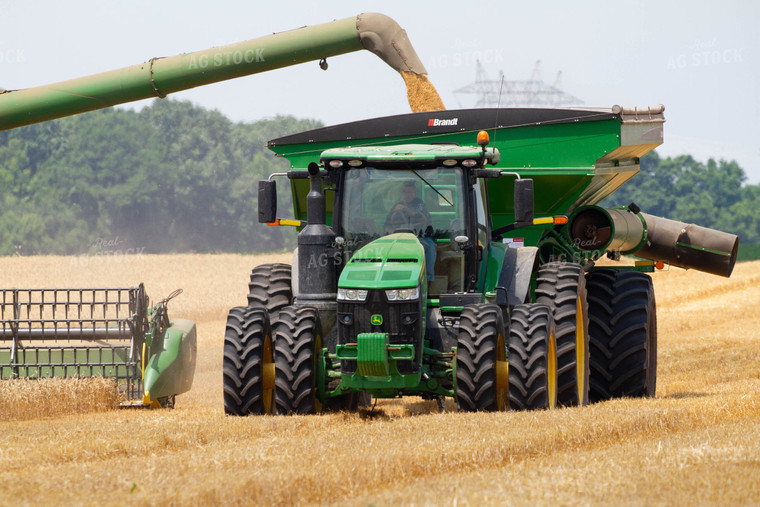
695	443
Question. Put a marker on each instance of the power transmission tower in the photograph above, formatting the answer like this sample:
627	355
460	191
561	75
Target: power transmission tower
531	93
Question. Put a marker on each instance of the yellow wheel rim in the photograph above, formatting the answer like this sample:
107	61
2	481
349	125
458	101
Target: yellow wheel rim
551	372
580	351
267	375
502	374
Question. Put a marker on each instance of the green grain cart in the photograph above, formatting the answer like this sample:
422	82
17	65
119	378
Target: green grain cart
436	263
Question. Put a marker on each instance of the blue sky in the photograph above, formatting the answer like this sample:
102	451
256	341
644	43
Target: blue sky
700	59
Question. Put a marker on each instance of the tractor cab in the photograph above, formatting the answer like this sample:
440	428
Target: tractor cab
428	193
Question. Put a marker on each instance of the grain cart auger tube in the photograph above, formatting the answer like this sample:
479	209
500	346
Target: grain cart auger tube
158	77
429	266
113	333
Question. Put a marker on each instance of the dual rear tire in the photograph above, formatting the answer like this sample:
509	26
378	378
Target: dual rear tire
248	363
602	325
623	330
485	379
562	287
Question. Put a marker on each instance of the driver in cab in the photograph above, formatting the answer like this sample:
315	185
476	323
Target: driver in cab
410	215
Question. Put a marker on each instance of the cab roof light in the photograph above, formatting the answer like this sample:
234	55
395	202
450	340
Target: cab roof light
483	139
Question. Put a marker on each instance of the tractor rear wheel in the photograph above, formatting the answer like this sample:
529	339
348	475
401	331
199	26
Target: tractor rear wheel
297	344
270	287
623	334
562	286
481	378
248	366
532	358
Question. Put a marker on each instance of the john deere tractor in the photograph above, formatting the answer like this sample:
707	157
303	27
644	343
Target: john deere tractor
433	263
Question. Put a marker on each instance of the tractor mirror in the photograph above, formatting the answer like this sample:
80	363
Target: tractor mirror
267	201
524	201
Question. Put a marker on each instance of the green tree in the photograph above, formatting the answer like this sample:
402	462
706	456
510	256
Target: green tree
712	194
172	177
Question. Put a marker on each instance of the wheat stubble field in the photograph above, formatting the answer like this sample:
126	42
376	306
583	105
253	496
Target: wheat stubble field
695	443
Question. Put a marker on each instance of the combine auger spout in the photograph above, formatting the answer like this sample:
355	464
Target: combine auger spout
159	77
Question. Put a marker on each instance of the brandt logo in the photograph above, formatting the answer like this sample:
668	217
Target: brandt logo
435	122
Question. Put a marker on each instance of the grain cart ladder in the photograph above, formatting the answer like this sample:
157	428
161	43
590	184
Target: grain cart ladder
108	332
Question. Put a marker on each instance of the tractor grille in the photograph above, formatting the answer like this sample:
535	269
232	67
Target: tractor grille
394	315
74	333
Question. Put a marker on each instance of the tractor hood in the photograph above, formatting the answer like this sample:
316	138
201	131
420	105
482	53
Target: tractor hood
392	262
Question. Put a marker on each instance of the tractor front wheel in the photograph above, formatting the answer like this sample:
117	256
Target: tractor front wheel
481	367
296	352
562	286
532	358
248	365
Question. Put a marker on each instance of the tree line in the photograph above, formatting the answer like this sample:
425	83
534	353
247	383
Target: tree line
175	177
711	194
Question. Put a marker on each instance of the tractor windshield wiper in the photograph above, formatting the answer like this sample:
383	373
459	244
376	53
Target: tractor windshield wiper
434	189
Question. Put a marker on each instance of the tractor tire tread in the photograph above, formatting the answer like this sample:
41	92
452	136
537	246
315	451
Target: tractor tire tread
623	334
243	360
530	330
295	341
270	287
559	284
479	328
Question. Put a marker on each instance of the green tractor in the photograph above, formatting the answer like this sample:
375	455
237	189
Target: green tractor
432	264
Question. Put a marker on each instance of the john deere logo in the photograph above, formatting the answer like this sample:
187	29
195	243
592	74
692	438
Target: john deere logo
376	320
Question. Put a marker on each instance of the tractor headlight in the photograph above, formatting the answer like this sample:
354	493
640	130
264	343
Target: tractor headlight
403	294
352	294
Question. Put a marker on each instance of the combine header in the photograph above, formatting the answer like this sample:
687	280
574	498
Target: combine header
111	333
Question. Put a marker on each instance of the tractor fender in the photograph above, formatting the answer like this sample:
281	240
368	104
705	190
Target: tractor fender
516	271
